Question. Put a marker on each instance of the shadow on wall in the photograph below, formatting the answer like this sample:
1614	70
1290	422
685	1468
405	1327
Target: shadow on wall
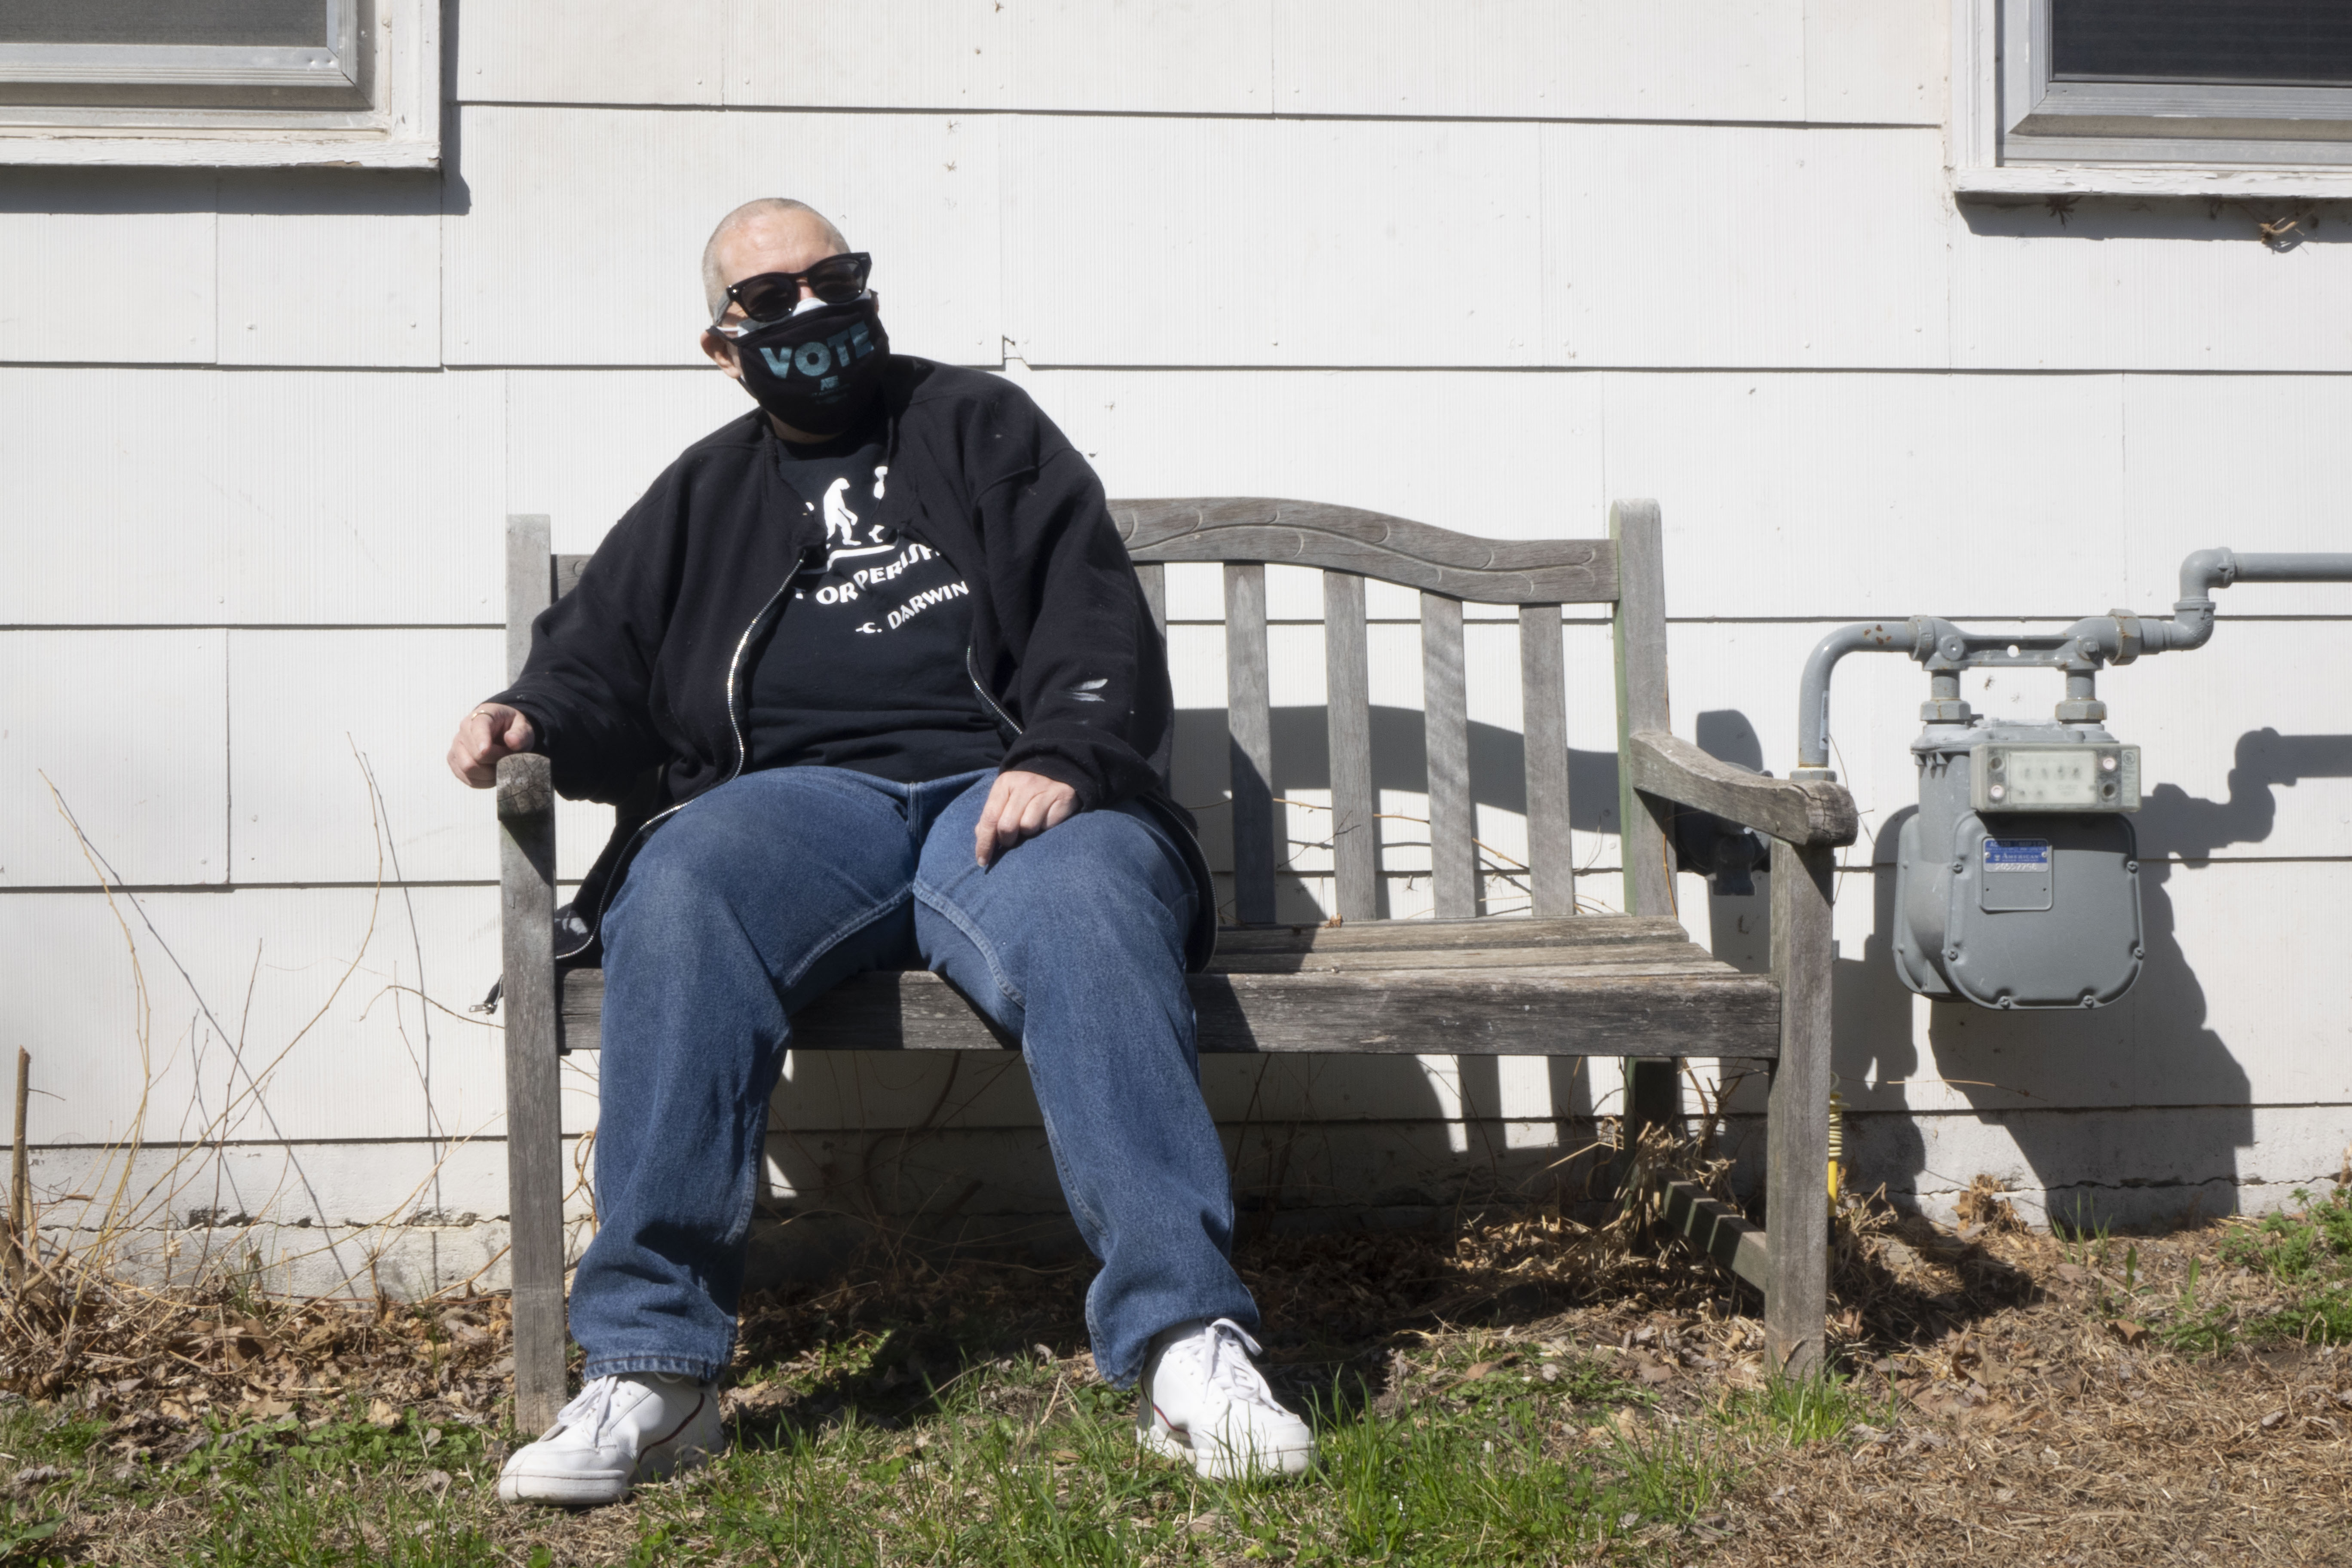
2281	223
2152	1050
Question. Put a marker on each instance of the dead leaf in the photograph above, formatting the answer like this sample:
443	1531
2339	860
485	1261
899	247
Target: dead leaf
1654	1372
1065	1455
271	1409
436	1480
2073	1273
381	1413
2272	1419
1480	1369
2130	1332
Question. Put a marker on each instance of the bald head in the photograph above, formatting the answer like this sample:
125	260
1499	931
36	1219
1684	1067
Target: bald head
773	234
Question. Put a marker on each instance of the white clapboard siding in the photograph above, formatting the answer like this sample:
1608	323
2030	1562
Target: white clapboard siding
597	51
1876	62
2214	460
313	718
130	729
177	496
1773	61
1542	59
341	1187
1143	56
580	240
582	446
1702	246
2061	1166
1510	455
1210	242
2171	288
306	287
868	54
124	275
1852	496
350	1063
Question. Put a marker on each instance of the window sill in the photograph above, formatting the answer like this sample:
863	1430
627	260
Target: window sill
239	150
2151	180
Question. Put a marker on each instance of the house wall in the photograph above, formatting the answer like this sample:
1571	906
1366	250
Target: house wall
1486	264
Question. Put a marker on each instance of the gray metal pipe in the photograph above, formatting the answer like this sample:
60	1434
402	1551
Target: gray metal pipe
2115	639
1813	696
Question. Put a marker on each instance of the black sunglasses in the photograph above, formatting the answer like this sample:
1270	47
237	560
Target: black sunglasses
772	296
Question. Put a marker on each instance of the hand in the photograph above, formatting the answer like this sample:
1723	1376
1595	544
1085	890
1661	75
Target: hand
488	732
1020	805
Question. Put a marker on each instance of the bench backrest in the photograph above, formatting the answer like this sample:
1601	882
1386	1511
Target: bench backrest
1540	576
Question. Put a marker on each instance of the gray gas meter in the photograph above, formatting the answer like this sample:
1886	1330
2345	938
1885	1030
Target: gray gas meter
2016	881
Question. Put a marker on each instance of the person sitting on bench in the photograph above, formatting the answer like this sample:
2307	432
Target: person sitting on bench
873	684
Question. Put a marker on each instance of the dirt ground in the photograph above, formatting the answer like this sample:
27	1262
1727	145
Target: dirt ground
2026	1399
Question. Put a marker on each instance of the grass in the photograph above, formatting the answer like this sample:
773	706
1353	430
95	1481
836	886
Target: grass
1011	1462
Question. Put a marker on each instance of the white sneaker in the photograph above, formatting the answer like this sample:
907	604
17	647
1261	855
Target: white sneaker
1202	1401
636	1426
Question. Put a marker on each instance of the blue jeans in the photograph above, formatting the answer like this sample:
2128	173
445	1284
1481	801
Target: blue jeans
755	900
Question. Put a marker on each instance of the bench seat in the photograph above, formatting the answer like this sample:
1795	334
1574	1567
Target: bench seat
1585	986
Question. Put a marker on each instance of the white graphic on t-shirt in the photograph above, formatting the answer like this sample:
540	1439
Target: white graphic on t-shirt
838	518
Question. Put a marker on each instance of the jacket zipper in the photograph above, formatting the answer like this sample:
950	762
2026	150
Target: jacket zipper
734	728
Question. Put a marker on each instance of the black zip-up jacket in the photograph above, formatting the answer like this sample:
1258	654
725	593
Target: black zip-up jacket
635	679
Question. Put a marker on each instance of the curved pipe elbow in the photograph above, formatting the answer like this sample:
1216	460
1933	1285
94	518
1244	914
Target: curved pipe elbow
2206	570
1813	696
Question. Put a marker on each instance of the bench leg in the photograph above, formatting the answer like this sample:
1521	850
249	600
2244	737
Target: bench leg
1795	1192
534	1117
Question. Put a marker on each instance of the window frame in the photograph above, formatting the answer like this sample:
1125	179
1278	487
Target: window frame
370	98
2016	132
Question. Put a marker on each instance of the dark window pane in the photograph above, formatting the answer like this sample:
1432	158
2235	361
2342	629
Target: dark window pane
2274	42
283	23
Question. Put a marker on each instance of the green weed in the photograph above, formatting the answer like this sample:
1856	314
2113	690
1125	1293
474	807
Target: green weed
1802	1410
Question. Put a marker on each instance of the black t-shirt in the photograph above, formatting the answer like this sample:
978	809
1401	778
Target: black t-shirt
863	665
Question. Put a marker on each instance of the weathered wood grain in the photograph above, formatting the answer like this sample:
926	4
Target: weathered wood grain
1393	549
567	573
528	584
1719	1231
1355	829
1445	723
1797	1122
1641	652
1412	936
1543	701
1672	769
1652	1086
1249	720
534	1113
1526	1010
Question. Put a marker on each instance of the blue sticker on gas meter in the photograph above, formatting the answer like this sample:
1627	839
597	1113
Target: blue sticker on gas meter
2017	855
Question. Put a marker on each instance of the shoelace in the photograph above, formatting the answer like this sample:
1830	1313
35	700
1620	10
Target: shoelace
591	1407
1228	1351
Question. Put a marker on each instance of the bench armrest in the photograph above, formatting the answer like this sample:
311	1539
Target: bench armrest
526	787
1803	814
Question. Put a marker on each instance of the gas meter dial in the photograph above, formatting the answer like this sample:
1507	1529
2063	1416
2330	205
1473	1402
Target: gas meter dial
2047	777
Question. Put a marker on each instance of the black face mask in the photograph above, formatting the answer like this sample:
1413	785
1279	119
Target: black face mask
818	370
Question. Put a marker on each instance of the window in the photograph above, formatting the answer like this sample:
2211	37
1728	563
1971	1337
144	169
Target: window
220	81
2156	97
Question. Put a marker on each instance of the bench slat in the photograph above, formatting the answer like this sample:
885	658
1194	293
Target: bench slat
1393	549
1250	720
1445	723
1348	693
1543	701
1409	936
1529	1010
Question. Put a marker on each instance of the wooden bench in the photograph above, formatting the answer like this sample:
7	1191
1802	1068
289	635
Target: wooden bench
1552	983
